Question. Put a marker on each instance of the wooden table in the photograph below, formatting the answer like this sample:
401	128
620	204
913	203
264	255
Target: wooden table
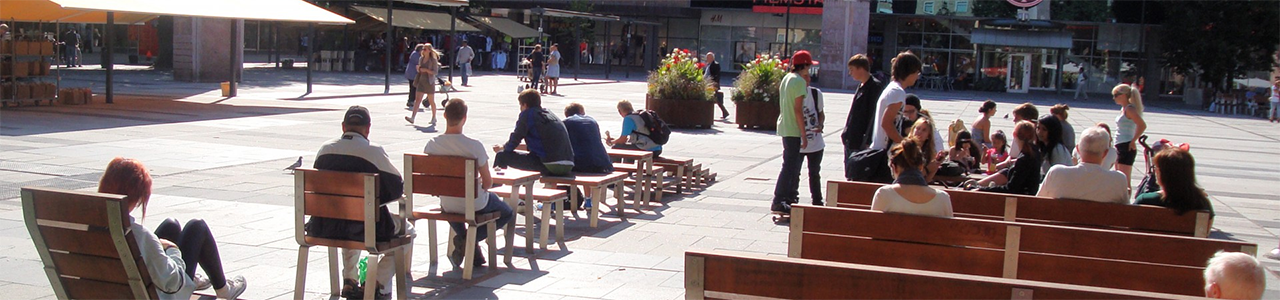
645	177
596	185
515	179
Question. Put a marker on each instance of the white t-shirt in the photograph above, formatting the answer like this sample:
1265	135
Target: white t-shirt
888	200
1107	162
1275	94
893	94
1085	181
812	106
463	146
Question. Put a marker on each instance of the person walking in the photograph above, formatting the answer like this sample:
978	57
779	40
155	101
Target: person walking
465	55
411	73
1275	101
793	89
536	60
553	69
858	127
712	73
1082	82
428	66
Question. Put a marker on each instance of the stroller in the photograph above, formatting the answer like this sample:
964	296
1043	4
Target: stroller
1148	183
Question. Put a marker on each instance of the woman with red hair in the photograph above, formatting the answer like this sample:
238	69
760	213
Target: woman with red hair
173	251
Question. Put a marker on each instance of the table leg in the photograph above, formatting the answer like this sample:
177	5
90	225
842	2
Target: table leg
594	215
528	217
510	232
622	211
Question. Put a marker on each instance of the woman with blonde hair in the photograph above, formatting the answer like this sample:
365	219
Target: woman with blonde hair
425	82
923	133
173	251
1129	126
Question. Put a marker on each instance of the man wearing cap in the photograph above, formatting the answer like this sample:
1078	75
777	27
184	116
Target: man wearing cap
790	125
352	152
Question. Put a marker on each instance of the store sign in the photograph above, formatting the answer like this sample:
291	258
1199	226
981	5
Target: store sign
1025	3
806	7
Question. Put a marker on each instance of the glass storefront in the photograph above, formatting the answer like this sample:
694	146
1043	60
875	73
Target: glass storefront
738	36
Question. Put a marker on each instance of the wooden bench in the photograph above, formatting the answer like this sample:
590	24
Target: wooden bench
639	164
549	198
1072	255
683	168
653	184
726	275
1030	209
596	185
449	176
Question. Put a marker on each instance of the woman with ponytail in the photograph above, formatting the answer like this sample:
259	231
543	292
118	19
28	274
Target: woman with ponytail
1129	126
910	192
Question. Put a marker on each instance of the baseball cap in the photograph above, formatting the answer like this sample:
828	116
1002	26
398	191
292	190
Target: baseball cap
802	57
356	115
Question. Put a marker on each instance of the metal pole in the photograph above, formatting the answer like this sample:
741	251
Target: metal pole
275	42
453	34
786	44
111	24
311	52
386	51
608	56
577	63
231	78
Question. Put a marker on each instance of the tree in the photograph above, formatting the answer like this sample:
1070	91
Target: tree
1220	40
1088	11
994	9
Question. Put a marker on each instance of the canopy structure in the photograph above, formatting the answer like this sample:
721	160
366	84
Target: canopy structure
441	3
507	27
560	13
414	19
50	12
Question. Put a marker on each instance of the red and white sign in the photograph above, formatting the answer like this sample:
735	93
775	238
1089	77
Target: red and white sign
1025	3
806	7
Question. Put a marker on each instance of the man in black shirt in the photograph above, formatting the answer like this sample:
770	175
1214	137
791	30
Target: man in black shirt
536	61
712	74
857	129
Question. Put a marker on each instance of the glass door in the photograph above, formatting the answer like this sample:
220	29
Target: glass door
1019	73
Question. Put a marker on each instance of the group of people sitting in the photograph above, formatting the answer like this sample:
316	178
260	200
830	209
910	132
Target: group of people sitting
555	147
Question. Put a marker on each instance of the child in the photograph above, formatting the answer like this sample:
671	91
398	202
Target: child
813	120
999	151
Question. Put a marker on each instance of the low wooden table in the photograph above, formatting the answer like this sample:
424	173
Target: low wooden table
515	179
643	167
596	185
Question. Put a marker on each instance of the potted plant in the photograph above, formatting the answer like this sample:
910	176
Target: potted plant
679	94
755	94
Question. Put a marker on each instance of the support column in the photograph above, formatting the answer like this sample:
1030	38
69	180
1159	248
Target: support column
232	63
391	42
311	52
453	34
844	33
109	43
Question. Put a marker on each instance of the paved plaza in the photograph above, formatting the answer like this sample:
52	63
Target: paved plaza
222	159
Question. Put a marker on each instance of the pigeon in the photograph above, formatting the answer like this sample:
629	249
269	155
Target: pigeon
295	165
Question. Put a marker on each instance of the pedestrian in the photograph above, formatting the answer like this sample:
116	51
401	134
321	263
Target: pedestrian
536	60
858	126
89	38
1275	101
712	73
465	55
814	120
1082	82
428	66
792	89
411	73
69	42
1129	126
553	69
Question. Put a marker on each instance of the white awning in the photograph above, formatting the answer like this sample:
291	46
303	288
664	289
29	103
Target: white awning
414	18
267	10
508	27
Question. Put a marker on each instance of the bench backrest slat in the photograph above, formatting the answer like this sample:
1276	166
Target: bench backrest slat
724	275
86	245
439	175
335	194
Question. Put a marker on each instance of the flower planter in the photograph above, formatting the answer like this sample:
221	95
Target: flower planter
757	115
683	113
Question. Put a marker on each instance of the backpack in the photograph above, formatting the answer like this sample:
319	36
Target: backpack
658	130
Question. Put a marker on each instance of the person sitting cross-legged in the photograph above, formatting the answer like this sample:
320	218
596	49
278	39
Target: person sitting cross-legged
550	152
454	143
1088	180
635	134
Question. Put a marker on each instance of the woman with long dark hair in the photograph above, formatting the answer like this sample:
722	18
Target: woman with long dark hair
1176	175
1024	177
1049	137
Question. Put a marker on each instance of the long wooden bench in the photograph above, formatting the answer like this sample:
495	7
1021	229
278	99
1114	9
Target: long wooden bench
1072	255
1030	209
725	275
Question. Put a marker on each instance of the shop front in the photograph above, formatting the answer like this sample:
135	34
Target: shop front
737	36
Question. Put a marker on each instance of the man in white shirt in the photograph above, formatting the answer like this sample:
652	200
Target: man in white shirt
1088	180
465	55
454	143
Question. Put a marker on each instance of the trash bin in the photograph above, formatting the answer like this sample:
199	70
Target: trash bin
226	89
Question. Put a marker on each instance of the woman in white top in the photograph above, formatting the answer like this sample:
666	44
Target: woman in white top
173	251
910	193
553	69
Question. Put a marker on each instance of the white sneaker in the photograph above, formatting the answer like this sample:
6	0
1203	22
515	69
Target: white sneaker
235	286
202	283
1274	254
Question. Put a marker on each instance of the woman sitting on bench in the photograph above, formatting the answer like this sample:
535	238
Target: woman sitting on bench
173	251
910	192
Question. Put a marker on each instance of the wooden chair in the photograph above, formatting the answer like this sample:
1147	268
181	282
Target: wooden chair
449	176
346	196
85	244
727	275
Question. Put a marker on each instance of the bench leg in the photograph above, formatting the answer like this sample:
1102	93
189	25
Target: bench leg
335	283
510	231
402	273
432	243
300	282
684	180
371	275
594	215
493	246
574	201
469	254
560	221
622	204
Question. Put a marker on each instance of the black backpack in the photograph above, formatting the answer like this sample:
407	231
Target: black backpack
658	130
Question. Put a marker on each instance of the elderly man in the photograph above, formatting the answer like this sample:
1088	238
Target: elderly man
1089	180
1234	275
712	73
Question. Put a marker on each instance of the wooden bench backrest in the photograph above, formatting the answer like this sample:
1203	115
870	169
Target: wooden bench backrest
86	245
1021	208
337	195
723	275
439	175
1127	260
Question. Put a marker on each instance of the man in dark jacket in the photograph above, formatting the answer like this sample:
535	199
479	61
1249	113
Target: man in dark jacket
354	153
589	154
857	128
712	73
548	141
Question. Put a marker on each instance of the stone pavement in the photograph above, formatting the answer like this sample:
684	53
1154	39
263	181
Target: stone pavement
222	159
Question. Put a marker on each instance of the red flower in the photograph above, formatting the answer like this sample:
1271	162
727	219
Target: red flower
686	51
701	65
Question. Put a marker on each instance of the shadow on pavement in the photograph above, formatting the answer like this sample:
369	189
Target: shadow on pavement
126	112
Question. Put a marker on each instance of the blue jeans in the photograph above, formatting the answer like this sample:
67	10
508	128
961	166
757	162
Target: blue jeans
466	68
495	204
536	78
788	185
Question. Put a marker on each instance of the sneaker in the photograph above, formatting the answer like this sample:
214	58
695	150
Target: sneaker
351	289
479	260
521	207
235	286
456	256
781	206
202	283
818	202
408	119
1274	254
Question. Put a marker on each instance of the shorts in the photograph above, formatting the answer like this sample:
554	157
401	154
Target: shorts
1124	156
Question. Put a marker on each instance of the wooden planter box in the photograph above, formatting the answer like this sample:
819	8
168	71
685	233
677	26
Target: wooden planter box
683	113
757	115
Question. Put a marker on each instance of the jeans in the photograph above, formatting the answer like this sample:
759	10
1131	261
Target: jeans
815	179
1274	109
495	204
788	185
523	161
536	77
466	72
198	248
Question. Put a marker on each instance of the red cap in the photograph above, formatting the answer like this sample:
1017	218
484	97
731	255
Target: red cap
801	57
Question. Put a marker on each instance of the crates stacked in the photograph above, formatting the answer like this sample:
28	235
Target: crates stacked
74	96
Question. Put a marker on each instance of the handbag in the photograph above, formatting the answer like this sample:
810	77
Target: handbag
871	165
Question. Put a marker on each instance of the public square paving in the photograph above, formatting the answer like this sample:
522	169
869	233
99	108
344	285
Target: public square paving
222	159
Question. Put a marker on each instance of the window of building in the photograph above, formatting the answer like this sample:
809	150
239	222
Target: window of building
962	6
928	7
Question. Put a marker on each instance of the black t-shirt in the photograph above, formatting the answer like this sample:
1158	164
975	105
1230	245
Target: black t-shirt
537	59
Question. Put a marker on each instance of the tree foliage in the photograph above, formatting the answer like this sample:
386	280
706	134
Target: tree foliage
1088	11
1220	40
994	9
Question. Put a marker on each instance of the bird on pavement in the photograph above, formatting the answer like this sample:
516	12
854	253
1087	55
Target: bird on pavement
295	165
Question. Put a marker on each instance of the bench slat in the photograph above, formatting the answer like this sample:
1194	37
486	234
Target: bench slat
437	164
98	268
335	206
92	289
904	228
77	241
972	261
334	182
76	208
1129	275
450	186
